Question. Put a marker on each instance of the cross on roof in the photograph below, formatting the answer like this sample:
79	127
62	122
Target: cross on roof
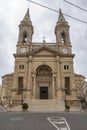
44	39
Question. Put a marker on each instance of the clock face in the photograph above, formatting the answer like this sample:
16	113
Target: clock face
23	50
65	50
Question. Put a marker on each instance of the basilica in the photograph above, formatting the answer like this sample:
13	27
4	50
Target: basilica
42	71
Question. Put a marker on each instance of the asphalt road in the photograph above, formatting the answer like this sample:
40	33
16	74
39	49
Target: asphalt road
43	121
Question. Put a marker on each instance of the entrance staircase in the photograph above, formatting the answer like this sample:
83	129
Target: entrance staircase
36	105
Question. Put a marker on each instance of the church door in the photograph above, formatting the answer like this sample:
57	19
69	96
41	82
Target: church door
43	92
44	80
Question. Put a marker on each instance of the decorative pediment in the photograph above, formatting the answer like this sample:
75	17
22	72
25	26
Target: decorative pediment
44	50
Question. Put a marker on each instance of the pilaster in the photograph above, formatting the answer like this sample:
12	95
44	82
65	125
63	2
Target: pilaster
53	86
34	85
29	84
59	90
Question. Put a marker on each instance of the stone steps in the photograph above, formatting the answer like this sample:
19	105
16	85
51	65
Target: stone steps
36	105
45	106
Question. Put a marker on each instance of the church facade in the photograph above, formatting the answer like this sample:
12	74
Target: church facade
42	71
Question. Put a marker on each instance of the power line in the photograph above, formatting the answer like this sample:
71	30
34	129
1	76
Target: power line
75	5
43	6
57	11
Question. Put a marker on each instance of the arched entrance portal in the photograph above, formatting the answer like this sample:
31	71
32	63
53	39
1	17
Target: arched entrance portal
43	79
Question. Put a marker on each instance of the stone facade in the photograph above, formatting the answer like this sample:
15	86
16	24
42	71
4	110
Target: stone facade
80	82
7	83
42	70
85	91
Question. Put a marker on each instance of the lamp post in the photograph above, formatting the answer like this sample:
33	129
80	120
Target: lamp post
10	103
65	99
22	89
67	107
65	89
22	98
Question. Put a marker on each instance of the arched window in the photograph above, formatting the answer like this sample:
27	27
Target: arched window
24	37
44	71
63	40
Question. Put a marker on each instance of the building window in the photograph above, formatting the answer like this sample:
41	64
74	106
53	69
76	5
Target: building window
44	71
63	40
66	67
20	85
67	85
25	37
21	66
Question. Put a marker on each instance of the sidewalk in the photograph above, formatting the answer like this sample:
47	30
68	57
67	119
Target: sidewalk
72	109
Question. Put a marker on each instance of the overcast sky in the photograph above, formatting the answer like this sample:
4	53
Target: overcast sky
44	21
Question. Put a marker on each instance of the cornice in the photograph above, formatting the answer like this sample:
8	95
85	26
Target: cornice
34	52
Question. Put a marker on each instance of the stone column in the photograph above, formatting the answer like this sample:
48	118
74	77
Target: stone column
58	73
34	87
72	83
59	91
29	78
53	87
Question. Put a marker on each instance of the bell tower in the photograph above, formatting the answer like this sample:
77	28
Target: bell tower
25	34
66	68
25	30
62	35
24	46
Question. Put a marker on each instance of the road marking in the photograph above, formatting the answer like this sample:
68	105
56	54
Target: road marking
16	118
59	123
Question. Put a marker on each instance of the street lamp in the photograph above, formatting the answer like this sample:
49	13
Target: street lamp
22	98
65	90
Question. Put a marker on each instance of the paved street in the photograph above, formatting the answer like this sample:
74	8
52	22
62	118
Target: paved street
43	121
